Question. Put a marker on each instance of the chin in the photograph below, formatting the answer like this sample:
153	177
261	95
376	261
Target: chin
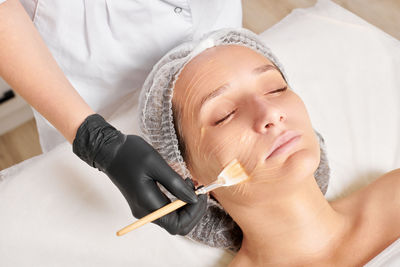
281	178
304	162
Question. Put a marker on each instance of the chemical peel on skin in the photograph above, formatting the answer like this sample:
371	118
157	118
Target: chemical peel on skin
234	121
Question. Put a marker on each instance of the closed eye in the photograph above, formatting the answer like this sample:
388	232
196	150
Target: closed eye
279	90
233	111
225	118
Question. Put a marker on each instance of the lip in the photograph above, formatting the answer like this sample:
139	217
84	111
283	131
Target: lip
283	143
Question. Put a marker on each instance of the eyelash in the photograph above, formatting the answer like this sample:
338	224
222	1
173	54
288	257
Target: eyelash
233	112
279	90
226	117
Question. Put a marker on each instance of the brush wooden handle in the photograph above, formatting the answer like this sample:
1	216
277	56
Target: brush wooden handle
230	175
152	216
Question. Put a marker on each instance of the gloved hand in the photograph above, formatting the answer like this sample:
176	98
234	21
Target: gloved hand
135	167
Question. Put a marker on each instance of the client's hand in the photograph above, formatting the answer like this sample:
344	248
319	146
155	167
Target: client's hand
135	167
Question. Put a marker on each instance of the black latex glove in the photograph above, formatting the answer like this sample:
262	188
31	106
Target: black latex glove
135	167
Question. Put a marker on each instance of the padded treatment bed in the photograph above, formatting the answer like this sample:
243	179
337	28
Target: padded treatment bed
57	211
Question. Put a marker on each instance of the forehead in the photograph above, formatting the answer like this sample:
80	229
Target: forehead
212	68
226	56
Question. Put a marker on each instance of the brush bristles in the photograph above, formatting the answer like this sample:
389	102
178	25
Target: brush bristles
233	174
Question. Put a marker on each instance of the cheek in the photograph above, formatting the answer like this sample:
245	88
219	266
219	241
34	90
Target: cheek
217	148
296	111
303	122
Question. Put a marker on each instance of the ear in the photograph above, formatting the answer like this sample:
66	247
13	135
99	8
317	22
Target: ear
196	184
194	179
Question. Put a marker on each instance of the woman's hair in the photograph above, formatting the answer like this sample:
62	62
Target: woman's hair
160	127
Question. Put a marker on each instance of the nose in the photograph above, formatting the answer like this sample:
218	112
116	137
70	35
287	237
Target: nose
267	116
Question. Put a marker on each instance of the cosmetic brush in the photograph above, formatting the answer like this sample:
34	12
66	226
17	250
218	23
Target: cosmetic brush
232	174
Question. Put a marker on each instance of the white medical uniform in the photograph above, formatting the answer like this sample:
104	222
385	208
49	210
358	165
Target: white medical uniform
106	48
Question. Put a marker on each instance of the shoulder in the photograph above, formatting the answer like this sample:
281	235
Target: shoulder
374	212
386	187
377	203
386	190
381	201
241	259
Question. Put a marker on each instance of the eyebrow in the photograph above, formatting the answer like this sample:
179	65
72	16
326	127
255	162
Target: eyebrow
221	89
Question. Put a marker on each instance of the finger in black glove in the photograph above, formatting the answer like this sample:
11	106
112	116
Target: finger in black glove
135	168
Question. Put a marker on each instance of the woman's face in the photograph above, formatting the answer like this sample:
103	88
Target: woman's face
231	102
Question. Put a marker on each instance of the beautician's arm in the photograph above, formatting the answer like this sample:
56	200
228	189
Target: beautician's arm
131	163
27	65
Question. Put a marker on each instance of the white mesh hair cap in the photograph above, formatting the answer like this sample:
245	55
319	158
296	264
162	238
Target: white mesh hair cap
156	122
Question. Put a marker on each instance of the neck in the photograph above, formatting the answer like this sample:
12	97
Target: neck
299	225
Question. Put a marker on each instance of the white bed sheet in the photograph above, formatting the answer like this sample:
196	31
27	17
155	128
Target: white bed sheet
57	211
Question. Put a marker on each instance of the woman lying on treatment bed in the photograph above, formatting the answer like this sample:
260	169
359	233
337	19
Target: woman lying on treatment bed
230	101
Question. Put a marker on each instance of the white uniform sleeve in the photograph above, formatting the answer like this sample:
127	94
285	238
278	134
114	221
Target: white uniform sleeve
2	1
30	6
